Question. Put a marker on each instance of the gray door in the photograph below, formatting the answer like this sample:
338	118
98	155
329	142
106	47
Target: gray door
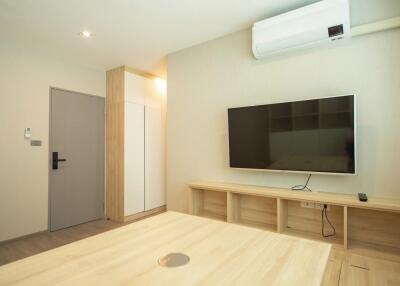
77	138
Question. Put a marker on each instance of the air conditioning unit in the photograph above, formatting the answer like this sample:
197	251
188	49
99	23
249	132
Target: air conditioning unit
322	22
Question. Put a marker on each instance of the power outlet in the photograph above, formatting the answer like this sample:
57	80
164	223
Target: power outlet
308	205
317	206
320	206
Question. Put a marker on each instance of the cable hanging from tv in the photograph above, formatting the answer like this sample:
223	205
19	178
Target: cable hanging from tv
303	187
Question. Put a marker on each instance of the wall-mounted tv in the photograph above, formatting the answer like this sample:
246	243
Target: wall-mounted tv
312	136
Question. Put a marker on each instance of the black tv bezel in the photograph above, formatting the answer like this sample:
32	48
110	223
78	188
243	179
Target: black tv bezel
302	171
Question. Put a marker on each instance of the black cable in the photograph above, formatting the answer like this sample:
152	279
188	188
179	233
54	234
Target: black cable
324	213
302	187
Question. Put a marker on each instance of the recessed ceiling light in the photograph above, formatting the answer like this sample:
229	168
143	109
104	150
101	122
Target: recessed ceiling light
86	34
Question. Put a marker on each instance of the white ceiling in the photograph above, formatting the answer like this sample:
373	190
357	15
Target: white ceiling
140	33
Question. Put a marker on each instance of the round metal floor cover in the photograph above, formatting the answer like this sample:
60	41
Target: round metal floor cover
173	260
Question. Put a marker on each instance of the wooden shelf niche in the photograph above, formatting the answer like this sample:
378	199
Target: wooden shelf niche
259	212
374	231
306	222
209	204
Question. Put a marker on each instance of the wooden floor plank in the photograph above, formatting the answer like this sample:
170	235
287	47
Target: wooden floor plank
368	271
332	273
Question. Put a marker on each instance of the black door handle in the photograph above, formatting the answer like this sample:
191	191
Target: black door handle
56	160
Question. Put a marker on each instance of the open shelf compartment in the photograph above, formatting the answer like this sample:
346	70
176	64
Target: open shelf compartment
374	232
294	219
254	211
211	204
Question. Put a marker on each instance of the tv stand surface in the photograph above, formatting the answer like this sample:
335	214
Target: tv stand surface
372	226
323	197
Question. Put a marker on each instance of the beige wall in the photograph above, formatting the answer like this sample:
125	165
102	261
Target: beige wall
204	80
24	102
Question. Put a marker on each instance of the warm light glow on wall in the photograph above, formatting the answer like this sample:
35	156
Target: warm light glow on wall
162	85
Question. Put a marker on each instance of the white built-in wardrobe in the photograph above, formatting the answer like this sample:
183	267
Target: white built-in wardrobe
144	145
139	142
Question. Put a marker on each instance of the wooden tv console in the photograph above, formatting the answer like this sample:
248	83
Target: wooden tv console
371	227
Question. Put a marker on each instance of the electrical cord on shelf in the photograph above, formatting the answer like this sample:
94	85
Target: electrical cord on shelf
324	214
303	187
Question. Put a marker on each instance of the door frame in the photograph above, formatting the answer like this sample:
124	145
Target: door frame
49	155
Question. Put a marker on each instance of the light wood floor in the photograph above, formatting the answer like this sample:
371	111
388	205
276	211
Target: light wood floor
347	269
33	244
20	248
344	269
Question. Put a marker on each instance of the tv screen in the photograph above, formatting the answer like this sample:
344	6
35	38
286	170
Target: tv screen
311	136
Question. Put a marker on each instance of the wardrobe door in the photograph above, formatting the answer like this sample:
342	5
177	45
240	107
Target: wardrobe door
154	158
134	158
